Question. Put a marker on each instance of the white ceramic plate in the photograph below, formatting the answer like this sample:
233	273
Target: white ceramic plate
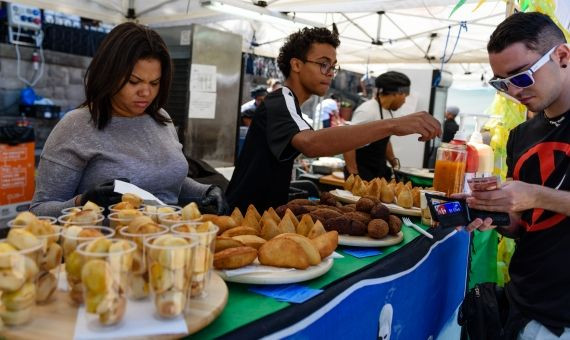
338	174
292	276
347	197
366	241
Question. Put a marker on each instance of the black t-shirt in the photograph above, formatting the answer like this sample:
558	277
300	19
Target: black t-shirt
263	172
538	152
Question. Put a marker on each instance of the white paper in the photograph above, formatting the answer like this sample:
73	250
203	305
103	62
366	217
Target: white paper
335	255
202	105
62	281
140	320
185	38
344	193
124	187
256	268
202	78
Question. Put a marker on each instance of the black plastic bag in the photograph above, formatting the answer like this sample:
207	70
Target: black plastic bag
484	312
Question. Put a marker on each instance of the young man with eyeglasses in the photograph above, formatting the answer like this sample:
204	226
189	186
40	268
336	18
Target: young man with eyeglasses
529	56
278	134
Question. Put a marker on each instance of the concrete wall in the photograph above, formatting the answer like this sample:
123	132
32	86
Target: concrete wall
62	80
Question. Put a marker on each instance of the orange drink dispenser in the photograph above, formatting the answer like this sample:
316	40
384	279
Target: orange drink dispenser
450	168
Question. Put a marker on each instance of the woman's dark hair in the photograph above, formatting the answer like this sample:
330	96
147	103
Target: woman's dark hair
535	30
113	64
393	82
298	44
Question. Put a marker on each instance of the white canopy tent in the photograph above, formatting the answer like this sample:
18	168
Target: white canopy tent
373	32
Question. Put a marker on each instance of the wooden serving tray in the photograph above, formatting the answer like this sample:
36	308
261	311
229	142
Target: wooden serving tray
56	320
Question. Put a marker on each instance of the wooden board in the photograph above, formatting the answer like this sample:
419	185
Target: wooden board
56	320
347	197
281	277
366	241
332	180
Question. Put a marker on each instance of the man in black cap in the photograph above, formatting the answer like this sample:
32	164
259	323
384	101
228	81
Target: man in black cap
450	127
258	94
370	161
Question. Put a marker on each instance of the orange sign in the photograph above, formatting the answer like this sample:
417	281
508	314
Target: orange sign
17	167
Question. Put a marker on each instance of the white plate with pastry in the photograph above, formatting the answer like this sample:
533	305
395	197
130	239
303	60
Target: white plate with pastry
265	275
346	196
367	241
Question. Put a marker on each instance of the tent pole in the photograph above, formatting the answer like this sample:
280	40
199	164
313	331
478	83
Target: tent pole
379	28
510	9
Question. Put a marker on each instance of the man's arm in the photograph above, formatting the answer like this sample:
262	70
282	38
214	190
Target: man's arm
519	196
350	160
330	142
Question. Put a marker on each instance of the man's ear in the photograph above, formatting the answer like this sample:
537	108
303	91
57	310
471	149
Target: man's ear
562	55
296	65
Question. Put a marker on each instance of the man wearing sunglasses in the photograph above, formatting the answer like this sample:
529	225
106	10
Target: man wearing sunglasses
278	134
529	56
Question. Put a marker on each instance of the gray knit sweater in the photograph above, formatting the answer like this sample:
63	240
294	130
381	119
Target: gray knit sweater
78	156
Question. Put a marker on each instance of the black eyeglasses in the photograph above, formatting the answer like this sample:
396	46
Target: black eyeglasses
326	67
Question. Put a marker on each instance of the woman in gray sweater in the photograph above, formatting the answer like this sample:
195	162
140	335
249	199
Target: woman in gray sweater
120	131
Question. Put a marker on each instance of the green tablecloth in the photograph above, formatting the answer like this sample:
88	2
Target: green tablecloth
244	306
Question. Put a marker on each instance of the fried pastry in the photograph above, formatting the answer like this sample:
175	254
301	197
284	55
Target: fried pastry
380	211
269	229
374	189
305	225
251	220
340	224
292	217
364	204
250	240
309	249
252	208
394	224
237	216
326	243
233	258
387	194
223	243
416	196
286	225
377	228
405	199
359	188
317	230
283	252
327	199
349	183
241	230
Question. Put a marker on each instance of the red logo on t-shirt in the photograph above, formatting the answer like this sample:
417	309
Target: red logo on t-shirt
546	153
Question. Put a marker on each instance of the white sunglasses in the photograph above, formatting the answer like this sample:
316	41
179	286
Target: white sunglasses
522	79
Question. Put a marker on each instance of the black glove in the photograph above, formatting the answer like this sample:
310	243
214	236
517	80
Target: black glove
103	194
215	196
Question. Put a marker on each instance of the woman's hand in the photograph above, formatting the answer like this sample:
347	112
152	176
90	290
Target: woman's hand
215	196
103	194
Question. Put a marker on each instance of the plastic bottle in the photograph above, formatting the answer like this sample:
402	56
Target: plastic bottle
472	159
484	152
